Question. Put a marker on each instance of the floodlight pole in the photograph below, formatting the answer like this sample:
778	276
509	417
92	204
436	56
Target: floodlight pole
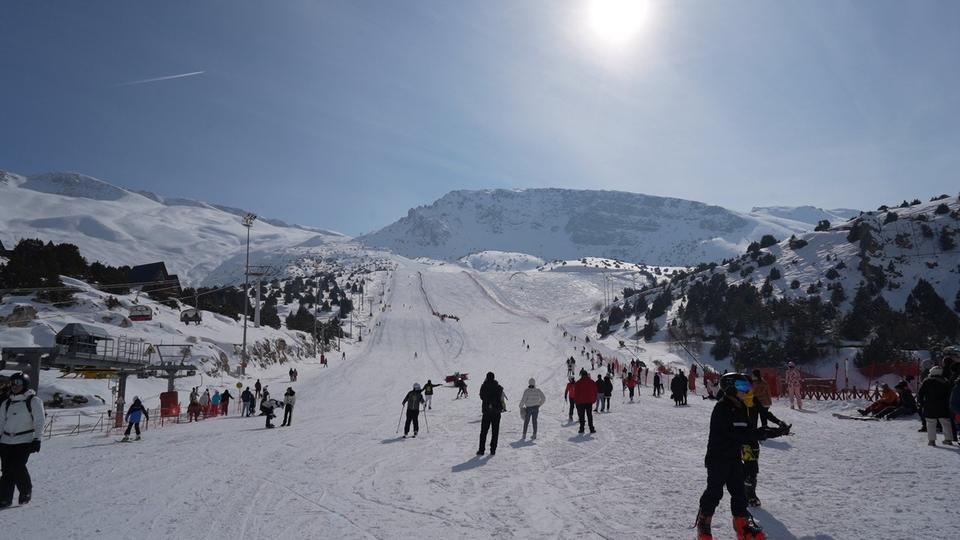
248	220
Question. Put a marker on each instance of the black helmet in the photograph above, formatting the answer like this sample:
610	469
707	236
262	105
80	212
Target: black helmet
728	383
21	378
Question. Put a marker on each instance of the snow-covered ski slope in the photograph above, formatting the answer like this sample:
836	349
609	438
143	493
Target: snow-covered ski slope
341	472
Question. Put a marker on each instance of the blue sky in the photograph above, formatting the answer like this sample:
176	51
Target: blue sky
345	114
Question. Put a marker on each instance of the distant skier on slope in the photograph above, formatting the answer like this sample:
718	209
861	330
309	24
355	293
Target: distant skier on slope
412	400
729	431
133	415
530	404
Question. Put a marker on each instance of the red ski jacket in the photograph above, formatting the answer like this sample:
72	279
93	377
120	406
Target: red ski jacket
570	392
585	391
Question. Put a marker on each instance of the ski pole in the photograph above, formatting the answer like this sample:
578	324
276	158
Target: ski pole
425	423
399	419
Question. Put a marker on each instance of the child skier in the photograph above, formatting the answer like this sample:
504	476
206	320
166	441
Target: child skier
133	418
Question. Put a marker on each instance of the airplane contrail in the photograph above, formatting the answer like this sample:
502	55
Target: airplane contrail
166	78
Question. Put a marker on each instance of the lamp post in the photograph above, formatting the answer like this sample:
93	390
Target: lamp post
248	220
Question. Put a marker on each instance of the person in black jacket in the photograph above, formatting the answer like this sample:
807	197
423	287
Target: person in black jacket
678	387
729	431
491	398
934	395
657	385
600	387
413	400
607	392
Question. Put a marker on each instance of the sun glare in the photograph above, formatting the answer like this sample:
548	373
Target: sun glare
617	22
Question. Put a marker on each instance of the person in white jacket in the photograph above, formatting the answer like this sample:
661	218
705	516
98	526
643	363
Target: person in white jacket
21	425
530	404
289	400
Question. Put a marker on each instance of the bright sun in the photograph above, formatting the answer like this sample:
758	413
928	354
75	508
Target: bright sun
617	22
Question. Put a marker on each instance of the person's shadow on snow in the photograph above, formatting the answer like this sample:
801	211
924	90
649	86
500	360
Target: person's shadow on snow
471	463
393	440
776	529
521	443
581	437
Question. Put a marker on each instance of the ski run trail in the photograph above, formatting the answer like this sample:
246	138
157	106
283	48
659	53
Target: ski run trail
341	471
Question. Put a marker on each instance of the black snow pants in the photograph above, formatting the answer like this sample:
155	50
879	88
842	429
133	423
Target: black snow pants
287	415
729	473
584	409
490	422
573	405
132	425
13	471
413	416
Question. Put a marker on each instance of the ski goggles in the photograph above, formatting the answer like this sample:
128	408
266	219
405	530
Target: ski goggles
742	385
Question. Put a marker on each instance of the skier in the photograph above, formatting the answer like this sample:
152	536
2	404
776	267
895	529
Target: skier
266	409
599	383
257	387
530	404
412	400
729	431
657	385
133	418
290	374
289	399
934	396
246	397
631	384
225	398
794	385
568	396
678	387
491	398
428	394
585	393
762	400
607	392
21	424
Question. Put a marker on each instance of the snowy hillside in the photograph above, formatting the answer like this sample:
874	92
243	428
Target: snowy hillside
339	472
806	214
499	261
121	227
568	224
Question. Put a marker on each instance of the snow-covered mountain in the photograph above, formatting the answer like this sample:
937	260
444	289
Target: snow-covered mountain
118	226
806	214
569	224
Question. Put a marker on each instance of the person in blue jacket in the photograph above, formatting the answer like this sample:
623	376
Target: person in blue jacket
133	418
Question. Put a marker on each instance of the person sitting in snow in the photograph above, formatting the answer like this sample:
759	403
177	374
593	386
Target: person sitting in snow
888	398
906	406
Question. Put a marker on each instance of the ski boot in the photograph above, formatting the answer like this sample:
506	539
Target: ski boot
703	527
25	498
126	438
748	529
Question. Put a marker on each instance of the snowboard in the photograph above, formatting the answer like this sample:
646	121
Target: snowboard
861	418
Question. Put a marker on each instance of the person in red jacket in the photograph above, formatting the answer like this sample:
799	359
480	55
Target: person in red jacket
568	396
585	393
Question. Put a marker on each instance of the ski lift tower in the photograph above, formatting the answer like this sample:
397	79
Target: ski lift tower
248	220
258	272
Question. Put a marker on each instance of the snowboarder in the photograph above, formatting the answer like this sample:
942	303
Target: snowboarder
257	387
906	405
568	396
225	398
289	399
21	424
888	398
412	400
585	393
794	386
133	418
530	404
729	431
266	409
934	396
657	385
491	398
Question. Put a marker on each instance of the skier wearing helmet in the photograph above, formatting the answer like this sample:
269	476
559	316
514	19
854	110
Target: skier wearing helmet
133	418
729	431
21	423
413	401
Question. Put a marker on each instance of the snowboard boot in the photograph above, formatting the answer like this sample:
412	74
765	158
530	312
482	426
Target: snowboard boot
25	498
138	438
6	504
533	437
126	438
931	443
703	527
748	529
414	434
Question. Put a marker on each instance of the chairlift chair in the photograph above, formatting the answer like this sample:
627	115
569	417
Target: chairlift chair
191	315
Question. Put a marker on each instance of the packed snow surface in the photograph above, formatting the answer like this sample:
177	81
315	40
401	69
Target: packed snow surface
339	472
